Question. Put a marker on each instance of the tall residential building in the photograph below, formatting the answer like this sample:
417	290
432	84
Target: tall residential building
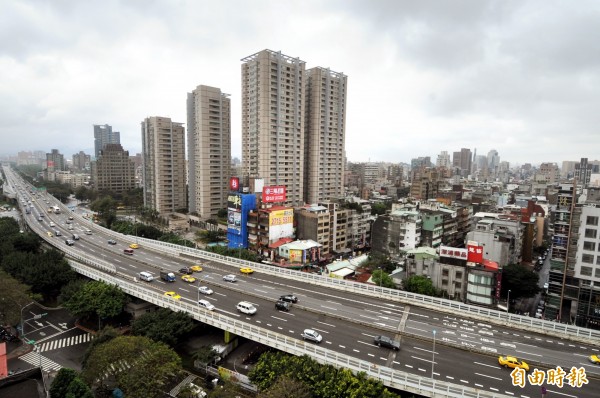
493	161
113	170
583	172
103	135
209	150
443	160
273	117
551	172
81	161
55	161
163	159
462	161
324	137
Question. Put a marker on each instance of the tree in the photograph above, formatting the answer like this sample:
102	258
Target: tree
380	278
205	354
324	381
140	366
286	387
419	284
99	298
210	236
378	208
106	208
163	325
521	282
105	334
61	382
222	213
13	296
78	389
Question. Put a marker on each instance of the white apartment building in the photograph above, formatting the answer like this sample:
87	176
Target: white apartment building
209	150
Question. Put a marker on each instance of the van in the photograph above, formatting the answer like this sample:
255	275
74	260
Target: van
88	231
145	276
246	308
128	251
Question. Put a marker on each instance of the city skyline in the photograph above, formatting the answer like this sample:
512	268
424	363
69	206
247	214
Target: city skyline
424	78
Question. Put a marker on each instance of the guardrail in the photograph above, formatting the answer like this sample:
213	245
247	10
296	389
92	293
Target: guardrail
502	318
388	376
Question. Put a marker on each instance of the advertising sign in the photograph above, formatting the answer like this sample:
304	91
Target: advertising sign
475	253
234	201
281	224
234	184
274	194
453	252
234	219
295	256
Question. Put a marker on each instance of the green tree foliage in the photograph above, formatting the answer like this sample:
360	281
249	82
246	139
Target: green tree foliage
227	390
149	214
58	190
378	261
380	278
205	354
240	253
84	194
210	236
78	389
140	366
46	272
70	289
286	387
105	334
521	282
323	381
163	325
170	237
222	213
97	298
378	208
419	284
106	207
13	296
61	382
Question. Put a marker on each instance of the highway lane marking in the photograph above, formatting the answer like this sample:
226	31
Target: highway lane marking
228	312
261	291
329	308
423	349
383	358
326	324
341	346
408	366
368	317
371	355
333	302
485	364
281	319
355	350
362	342
529	353
488	376
396	362
421	359
478	385
422	370
464	381
509	393
494	389
420	330
450	377
561	393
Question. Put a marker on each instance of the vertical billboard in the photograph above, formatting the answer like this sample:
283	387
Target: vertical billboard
475	254
273	194
281	224
234	184
234	213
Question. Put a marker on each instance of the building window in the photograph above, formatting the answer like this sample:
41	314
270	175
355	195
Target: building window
589	245
597	273
587	258
590	233
592	220
586	271
458	275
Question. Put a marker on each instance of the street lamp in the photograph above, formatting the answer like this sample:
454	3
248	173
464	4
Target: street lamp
507	300
380	276
433	355
23	323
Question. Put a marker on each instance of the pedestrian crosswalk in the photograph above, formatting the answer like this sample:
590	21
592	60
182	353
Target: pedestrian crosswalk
66	342
34	358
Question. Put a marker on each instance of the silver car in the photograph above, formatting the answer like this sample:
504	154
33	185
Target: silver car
312	335
205	290
229	278
206	305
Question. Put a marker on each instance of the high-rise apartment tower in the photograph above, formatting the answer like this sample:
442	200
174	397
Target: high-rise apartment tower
103	135
163	154
209	150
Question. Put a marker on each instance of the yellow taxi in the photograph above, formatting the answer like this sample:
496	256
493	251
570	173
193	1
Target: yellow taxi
188	278
595	359
246	270
134	246
49	234
512	362
173	295
196	268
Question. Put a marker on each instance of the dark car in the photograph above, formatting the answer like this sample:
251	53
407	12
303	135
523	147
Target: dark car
186	270
386	342
282	305
290	298
112	242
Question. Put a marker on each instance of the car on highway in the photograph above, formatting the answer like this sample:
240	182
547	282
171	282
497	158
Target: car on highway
246	270
70	217
312	335
205	290
69	242
206	304
595	359
512	362
196	268
134	246
70	228
282	305
229	278
290	298
188	279
49	234
112	242
52	224
383	341
173	295
186	270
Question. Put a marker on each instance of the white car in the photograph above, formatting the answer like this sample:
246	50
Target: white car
229	278
206	305
51	224
312	335
205	290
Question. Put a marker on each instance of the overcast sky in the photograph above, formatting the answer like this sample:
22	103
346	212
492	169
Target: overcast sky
521	77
